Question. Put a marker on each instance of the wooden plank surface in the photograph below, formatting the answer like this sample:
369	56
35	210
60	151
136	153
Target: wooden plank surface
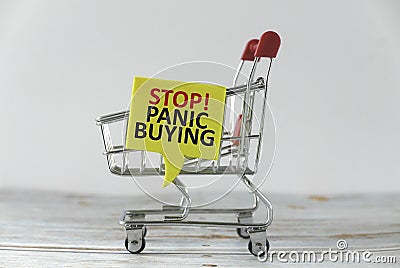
47	229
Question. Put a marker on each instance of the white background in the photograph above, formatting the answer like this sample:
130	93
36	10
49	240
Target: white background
335	86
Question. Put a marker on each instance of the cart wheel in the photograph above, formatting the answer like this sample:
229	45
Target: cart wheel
262	254
242	232
132	248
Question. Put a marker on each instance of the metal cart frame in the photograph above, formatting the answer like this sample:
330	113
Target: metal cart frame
134	221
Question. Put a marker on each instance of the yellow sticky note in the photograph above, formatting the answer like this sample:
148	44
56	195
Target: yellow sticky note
176	119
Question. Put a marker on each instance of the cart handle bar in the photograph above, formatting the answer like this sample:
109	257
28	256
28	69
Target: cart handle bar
266	47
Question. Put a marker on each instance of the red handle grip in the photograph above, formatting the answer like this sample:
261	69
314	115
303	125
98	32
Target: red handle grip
250	49
268	45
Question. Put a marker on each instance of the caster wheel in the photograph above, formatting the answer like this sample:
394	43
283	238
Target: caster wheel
133	249
242	232
250	247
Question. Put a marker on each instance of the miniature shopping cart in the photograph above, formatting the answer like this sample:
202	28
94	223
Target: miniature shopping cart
239	155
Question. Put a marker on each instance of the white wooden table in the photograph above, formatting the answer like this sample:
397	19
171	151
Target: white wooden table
44	229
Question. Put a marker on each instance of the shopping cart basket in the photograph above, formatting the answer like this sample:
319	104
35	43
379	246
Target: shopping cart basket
235	157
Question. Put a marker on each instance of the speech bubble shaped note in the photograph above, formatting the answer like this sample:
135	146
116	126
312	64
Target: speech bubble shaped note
176	119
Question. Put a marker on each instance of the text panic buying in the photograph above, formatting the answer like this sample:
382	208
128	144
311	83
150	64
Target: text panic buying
179	122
